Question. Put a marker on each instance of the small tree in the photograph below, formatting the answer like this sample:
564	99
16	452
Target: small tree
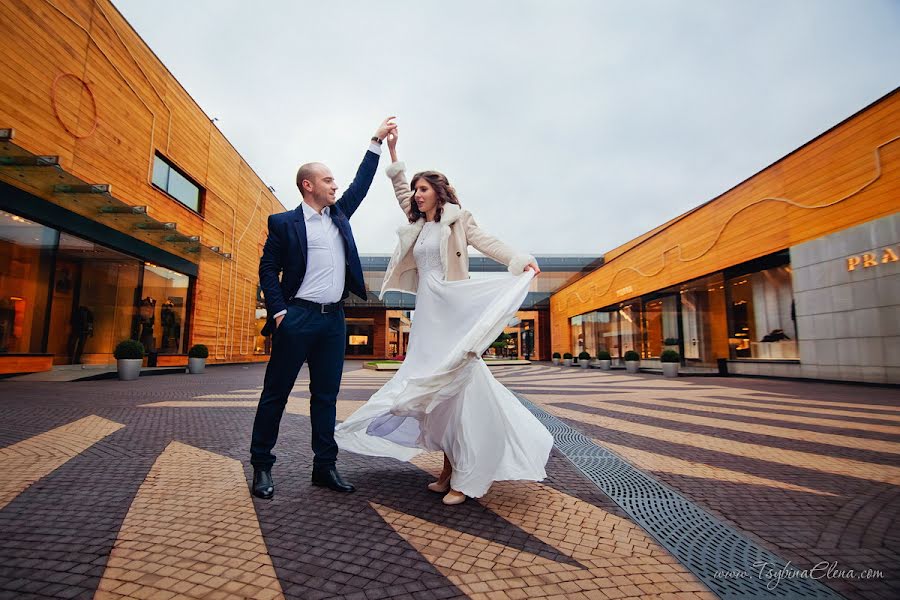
198	351
603	355
129	349
584	356
556	355
567	356
670	356
631	355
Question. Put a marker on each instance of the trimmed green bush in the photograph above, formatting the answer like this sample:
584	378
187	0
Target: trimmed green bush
129	349
631	355
670	342
603	355
584	356
567	356
670	356
556	355
198	351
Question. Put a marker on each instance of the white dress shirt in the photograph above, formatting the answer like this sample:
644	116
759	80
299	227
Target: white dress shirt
326	262
326	258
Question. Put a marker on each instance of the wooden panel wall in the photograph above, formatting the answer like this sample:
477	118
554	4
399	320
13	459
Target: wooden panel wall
116	105
848	176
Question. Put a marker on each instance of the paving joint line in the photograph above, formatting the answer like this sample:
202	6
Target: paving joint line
703	543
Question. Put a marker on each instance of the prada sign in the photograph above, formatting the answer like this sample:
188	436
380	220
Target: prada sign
873	259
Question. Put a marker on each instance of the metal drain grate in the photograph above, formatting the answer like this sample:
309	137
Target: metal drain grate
703	544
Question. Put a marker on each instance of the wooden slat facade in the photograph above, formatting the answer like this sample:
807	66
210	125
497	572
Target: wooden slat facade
847	176
78	82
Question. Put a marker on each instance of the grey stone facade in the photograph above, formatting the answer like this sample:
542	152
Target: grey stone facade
848	320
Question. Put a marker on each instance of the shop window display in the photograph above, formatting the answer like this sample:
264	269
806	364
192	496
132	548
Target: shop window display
761	319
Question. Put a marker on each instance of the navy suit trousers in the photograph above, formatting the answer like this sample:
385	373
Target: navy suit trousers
305	335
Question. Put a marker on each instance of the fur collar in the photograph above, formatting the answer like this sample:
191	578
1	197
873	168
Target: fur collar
409	232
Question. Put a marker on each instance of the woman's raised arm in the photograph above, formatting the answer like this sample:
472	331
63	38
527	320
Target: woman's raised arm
396	172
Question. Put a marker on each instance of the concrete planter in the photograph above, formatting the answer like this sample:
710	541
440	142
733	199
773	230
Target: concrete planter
584	363
632	366
129	368
670	369
605	364
196	365
556	361
567	362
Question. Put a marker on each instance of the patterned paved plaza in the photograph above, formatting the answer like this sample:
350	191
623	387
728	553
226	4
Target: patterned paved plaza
139	490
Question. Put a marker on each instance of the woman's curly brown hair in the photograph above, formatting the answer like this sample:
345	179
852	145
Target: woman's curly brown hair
443	189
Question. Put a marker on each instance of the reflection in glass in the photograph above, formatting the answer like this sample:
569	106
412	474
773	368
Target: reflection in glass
761	315
159	323
26	259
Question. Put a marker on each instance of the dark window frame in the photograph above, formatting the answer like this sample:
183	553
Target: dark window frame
201	191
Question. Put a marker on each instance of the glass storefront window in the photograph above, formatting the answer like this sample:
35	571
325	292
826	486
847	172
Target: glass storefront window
661	325
360	337
577	325
262	344
159	322
26	261
630	328
761	315
93	301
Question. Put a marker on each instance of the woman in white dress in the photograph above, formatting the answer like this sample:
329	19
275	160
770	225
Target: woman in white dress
444	397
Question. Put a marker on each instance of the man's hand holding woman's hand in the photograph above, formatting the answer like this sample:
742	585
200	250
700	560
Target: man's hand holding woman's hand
386	127
534	267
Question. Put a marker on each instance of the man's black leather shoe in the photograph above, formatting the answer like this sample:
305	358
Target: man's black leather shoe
263	486
330	478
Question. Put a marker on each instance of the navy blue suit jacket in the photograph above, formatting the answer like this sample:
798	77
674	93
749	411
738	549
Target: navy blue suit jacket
286	247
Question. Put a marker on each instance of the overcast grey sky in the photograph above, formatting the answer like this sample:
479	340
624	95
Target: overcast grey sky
566	127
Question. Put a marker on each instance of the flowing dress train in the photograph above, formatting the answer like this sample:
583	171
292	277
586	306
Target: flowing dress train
444	397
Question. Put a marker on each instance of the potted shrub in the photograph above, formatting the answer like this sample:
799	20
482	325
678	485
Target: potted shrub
632	361
129	358
556	358
584	359
605	360
197	356
670	343
567	359
670	360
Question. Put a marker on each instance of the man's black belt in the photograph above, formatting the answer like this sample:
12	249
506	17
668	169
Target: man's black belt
322	308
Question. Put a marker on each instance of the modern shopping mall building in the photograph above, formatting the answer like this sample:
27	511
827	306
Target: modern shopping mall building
793	272
125	213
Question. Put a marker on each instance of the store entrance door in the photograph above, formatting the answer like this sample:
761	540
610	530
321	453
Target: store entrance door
690	325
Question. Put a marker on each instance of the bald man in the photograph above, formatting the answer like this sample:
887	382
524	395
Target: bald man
313	251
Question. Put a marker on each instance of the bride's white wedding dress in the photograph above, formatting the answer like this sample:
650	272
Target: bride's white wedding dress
444	397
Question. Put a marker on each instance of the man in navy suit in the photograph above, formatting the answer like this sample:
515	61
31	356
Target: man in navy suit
313	250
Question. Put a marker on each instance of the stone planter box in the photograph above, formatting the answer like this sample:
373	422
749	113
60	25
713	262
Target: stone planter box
129	368
605	364
632	366
585	363
556	361
567	362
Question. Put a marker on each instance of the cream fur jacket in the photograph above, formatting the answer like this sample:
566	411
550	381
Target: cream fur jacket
458	232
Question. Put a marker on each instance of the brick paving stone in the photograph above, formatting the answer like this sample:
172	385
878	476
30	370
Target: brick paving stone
805	469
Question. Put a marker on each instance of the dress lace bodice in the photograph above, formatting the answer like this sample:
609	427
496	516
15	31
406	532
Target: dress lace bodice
427	250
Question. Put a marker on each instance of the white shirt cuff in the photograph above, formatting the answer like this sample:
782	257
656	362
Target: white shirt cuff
376	148
279	313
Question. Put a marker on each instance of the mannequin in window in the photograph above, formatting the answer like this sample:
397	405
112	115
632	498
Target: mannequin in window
82	329
171	326
147	316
